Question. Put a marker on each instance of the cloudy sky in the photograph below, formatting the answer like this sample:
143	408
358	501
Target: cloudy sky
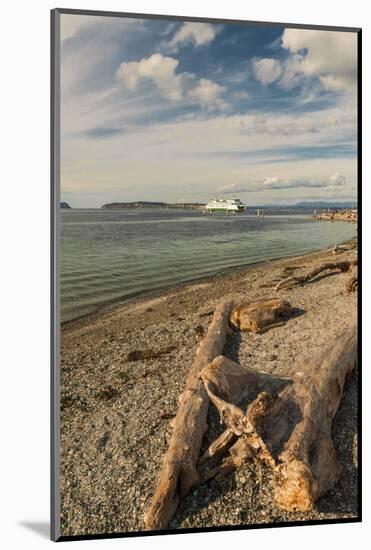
183	111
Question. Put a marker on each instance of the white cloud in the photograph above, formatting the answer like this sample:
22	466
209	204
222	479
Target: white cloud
338	180
294	183
159	69
266	70
231	188
197	34
175	87
306	126
207	93
331	55
276	183
292	73
332	83
69	26
287	73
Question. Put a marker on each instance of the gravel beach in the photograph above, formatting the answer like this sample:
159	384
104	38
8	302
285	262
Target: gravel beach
123	369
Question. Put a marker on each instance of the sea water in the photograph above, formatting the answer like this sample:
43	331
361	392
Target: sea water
108	256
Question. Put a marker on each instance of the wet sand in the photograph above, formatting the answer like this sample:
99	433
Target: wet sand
123	369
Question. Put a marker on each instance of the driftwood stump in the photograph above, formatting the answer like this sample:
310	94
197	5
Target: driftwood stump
261	315
284	422
178	473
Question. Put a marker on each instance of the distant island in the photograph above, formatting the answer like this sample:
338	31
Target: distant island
201	206
64	205
150	204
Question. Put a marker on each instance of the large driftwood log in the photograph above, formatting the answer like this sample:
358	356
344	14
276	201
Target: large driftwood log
352	282
339	267
179	472
287	423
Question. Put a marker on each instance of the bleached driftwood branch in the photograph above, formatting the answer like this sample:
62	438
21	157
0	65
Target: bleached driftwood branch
339	267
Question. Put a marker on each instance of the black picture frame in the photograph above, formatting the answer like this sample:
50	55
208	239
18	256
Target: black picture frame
55	284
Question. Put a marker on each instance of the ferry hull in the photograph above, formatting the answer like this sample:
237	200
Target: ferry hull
226	210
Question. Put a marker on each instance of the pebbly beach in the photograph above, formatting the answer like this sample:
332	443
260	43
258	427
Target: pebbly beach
124	367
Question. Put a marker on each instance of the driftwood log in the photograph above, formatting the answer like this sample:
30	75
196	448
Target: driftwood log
178	473
338	267
283	422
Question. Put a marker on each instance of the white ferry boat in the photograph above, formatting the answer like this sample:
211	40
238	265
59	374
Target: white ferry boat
226	206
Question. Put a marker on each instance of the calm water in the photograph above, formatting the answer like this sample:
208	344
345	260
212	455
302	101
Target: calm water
108	256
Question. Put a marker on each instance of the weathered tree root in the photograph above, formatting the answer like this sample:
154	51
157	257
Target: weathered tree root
287	423
179	472
339	267
352	282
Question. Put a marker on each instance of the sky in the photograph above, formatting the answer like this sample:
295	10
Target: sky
182	112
